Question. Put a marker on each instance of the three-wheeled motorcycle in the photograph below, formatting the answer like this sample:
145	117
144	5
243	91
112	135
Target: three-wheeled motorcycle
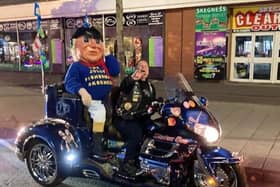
177	149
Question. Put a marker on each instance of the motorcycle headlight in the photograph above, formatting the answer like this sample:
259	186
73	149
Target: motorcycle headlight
211	134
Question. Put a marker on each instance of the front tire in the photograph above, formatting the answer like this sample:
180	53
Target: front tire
43	165
227	175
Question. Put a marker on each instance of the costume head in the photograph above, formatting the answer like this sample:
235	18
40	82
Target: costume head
87	45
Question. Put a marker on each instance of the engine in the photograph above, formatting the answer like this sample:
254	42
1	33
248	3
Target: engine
159	170
163	155
155	157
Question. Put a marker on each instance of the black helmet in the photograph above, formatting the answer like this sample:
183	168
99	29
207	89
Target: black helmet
89	32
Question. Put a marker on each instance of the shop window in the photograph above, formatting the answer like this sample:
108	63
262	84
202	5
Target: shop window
31	46
241	70
262	71
56	50
263	46
29	59
243	46
20	48
8	48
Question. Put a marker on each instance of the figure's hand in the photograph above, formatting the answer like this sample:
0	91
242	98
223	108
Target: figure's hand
98	114
86	97
97	111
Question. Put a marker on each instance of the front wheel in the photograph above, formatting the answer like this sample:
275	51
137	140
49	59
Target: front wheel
227	175
42	164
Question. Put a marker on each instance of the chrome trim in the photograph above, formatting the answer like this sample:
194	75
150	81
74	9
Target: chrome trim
90	174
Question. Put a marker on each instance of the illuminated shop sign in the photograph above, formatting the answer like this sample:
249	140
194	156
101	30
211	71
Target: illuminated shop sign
129	19
256	19
72	23
29	25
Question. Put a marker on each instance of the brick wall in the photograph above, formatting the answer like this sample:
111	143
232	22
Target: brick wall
179	42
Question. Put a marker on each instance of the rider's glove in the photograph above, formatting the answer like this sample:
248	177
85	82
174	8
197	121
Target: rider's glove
86	97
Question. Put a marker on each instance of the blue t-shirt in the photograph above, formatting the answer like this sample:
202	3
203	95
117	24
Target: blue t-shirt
96	80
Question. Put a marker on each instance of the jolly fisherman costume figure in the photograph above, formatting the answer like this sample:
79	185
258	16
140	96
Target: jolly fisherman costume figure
90	77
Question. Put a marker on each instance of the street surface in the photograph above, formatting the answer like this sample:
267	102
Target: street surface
13	172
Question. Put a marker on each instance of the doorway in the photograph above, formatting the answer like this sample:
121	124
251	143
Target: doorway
255	57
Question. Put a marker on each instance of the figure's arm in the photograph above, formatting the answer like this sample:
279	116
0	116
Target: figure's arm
74	85
112	65
72	80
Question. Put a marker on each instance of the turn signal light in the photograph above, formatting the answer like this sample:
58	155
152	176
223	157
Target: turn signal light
211	181
171	121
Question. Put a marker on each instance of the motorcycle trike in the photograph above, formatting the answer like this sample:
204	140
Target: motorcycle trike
178	148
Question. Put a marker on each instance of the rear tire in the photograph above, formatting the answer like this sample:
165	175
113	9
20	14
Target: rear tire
43	165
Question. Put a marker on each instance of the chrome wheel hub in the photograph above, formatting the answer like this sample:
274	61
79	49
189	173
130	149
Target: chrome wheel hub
42	163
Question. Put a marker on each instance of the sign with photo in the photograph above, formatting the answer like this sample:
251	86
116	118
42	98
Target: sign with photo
256	19
211	19
209	68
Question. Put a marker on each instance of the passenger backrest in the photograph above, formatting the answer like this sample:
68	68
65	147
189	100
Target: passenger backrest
63	105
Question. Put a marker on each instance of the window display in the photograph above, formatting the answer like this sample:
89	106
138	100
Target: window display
20	45
263	46
9	48
243	46
262	71
241	70
29	46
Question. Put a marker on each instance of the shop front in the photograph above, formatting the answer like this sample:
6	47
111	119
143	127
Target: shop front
255	52
143	39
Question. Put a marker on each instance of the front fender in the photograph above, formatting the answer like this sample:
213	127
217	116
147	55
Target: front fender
57	133
209	156
216	154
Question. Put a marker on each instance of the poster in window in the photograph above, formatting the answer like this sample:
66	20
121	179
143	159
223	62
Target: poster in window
210	53
156	51
209	68
210	44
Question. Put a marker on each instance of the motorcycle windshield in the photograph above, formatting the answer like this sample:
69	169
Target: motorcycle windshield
179	90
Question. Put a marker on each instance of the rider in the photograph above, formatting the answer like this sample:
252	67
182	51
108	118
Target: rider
136	94
90	75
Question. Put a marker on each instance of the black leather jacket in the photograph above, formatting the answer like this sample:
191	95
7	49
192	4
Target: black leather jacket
139	94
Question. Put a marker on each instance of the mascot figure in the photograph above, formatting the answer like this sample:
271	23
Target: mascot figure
90	76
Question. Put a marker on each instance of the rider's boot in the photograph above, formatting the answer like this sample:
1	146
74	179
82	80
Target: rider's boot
129	168
98	151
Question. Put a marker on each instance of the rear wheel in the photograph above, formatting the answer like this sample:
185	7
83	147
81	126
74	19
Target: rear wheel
42	164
